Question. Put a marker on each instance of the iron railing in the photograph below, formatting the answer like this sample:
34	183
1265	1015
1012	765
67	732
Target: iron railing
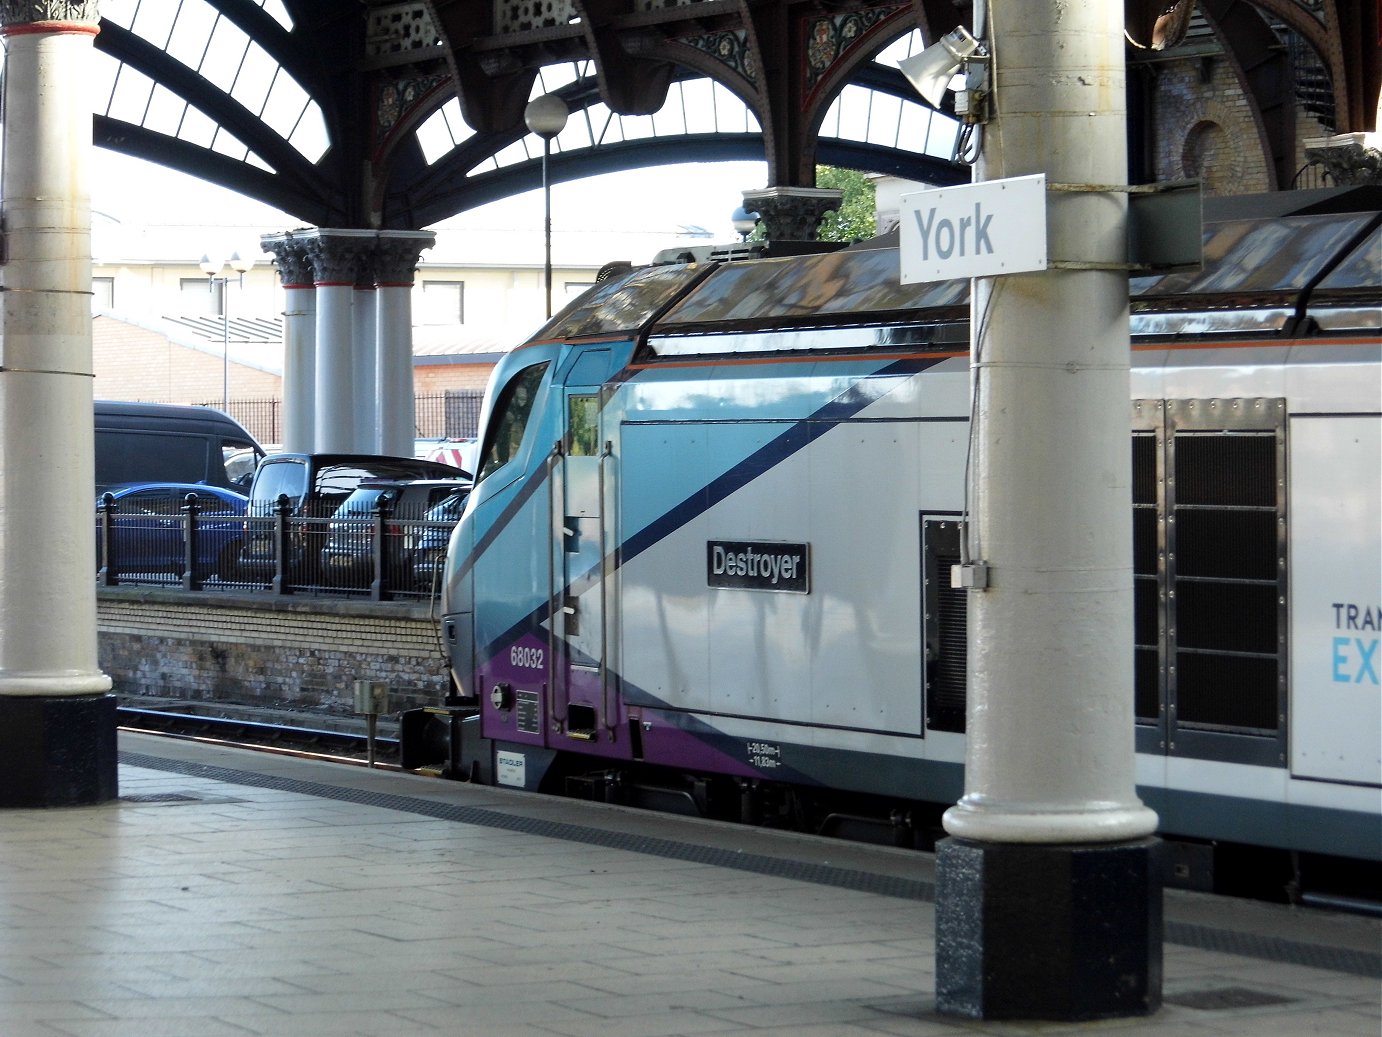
382	556
454	414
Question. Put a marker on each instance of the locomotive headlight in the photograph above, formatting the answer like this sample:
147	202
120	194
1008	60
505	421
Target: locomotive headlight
501	696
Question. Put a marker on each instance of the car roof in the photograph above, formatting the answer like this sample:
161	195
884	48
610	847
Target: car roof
367	484
186	487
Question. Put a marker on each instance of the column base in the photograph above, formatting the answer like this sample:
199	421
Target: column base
1027	931
57	751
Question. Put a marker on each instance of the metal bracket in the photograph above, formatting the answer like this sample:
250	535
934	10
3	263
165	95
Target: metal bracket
1165	226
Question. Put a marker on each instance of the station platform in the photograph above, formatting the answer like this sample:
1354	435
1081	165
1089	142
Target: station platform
230	892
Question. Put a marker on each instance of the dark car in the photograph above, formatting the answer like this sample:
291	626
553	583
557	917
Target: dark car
147	532
315	485
429	540
348	555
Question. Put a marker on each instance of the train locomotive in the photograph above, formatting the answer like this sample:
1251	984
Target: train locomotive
706	561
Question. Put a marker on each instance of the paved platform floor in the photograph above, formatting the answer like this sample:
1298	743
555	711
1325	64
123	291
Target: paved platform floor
237	893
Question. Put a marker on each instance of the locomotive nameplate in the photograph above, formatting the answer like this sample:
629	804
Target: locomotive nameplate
758	565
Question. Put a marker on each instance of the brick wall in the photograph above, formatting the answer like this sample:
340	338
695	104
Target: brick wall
284	653
1205	129
438	378
133	363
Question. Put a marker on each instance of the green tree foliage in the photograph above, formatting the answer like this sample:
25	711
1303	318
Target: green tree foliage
855	219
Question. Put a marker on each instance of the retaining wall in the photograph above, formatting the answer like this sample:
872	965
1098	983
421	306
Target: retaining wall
297	653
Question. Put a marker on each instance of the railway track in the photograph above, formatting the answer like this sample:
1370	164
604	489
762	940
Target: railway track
270	736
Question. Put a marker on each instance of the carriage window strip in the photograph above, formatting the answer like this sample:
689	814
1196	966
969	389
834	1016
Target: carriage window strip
1210	617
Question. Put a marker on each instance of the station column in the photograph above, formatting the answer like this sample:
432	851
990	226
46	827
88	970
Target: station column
337	257
1048	894
299	340
395	261
364	356
57	720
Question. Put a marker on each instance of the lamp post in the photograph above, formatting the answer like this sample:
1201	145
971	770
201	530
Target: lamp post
213	269
546	116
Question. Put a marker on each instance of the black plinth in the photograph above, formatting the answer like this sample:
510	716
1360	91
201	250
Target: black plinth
1048	932
58	751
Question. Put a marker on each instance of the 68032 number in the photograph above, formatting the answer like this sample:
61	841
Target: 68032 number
528	658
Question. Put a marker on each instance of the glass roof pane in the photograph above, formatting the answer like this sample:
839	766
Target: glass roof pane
226	143
275	10
700	104
885	113
190	33
193	33
728	101
166	108
513	154
852	111
224	55
455	122
146	20
283	106
553	77
130	98
914	129
902	47
940	138
310	137
637	127
884	119
605	127
443	130
574	136
196	129
255	80
434	134
670	120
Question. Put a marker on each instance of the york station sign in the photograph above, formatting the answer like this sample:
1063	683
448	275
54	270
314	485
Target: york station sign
979	230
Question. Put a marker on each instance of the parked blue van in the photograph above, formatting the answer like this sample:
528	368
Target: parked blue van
164	442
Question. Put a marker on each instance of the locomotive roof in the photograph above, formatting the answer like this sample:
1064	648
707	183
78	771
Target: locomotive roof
1250	262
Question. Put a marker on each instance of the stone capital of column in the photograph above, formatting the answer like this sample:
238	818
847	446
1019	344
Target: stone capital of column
357	257
792	213
16	13
395	258
1348	161
290	257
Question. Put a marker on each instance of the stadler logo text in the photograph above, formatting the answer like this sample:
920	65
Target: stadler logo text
756	565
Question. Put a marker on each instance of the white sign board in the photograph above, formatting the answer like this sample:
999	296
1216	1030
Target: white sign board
976	230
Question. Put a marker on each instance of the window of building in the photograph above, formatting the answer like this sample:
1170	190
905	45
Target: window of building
200	295
103	293
443	302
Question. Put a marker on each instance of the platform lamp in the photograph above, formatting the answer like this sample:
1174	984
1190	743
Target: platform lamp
546	116
743	222
213	269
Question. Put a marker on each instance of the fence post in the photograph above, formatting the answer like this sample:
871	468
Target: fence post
191	578
107	575
382	505
281	584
